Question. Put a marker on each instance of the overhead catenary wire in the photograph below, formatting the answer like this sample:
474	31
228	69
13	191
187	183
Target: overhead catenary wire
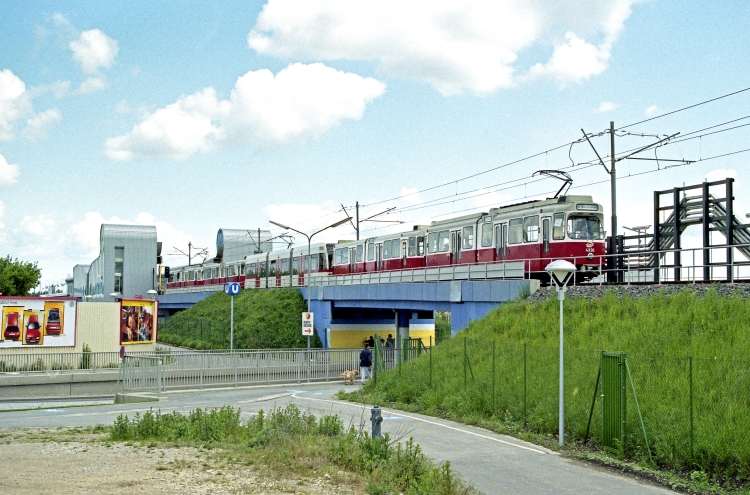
624	177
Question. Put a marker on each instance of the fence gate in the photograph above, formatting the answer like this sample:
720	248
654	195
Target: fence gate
614	398
412	348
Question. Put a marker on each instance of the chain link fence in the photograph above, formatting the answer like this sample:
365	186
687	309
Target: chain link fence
696	411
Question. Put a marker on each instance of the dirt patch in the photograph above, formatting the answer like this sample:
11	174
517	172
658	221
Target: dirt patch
71	461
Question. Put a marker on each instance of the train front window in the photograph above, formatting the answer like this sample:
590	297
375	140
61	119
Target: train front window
584	228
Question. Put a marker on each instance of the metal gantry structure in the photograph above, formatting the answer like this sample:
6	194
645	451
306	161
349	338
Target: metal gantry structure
709	205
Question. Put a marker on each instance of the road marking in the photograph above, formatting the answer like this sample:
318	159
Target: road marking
436	424
266	398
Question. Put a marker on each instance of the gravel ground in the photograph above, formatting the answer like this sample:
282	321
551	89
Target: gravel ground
38	461
640	291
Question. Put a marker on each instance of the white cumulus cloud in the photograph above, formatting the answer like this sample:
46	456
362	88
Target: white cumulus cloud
93	50
92	85
300	102
14	102
652	110
454	46
606	106
574	60
8	172
37	125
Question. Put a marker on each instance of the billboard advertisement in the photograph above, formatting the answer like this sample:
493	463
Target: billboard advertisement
37	322
137	321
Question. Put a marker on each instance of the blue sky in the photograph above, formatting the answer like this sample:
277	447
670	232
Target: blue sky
195	116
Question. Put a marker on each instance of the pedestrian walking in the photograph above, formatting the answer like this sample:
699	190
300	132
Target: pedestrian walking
365	363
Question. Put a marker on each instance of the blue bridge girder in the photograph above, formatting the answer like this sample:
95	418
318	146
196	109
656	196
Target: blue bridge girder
466	300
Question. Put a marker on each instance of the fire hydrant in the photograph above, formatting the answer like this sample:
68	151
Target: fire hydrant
376	419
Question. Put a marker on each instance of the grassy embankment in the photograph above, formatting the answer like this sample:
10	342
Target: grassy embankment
678	346
291	443
263	319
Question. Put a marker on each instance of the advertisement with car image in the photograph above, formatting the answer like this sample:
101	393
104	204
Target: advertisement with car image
37	322
137	321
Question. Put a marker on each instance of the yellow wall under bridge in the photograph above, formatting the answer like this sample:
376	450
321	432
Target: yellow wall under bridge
347	338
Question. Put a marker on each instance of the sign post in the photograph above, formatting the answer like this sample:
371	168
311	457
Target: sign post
231	288
308	328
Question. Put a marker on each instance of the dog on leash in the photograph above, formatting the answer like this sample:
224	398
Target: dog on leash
349	376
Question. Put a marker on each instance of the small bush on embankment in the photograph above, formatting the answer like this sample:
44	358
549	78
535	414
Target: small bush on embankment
290	442
263	319
688	356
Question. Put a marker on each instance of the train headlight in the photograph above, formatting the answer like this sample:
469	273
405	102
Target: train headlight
590	256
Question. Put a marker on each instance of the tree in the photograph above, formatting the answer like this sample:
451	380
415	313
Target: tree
17	278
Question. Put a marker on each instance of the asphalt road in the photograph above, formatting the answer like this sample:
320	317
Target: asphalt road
493	463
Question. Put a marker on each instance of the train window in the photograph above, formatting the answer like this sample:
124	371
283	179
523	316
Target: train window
345	256
371	250
444	241
386	249
531	229
584	228
515	231
262	269
467	238
420	246
337	257
285	266
320	262
412	246
360	253
272	269
486	235
558	226
432	243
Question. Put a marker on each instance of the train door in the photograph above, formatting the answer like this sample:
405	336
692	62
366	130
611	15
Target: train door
501	240
545	234
404	250
352	260
379	256
456	245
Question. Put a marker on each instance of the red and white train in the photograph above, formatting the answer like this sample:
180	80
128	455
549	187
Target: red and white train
532	233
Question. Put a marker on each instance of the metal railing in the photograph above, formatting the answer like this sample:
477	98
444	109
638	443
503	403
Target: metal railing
200	370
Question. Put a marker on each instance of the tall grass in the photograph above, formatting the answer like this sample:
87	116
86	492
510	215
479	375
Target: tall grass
289	441
263	319
677	347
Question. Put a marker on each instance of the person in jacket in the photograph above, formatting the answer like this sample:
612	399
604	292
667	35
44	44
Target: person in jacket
365	363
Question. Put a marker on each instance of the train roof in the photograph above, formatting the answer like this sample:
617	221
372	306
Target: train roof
525	205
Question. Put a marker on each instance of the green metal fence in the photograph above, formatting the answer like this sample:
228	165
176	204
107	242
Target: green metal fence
695	411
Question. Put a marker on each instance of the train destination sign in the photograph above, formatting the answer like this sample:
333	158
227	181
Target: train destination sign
307	324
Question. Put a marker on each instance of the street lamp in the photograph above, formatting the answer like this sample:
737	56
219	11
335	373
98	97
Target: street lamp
114	296
561	272
151	293
309	266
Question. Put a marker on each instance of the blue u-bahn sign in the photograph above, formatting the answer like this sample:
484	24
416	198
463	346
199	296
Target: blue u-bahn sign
232	288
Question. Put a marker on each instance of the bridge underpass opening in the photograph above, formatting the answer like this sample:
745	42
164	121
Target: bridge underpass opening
352	327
